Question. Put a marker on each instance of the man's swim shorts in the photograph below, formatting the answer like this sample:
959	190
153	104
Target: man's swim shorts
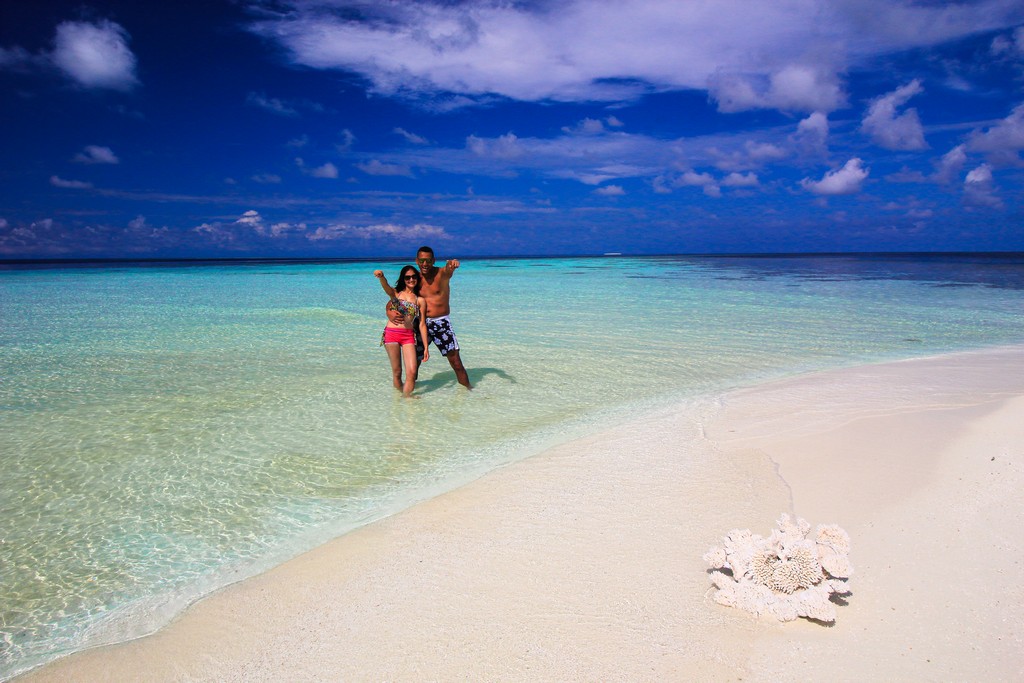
440	332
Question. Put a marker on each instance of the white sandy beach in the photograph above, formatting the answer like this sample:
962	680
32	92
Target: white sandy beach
584	563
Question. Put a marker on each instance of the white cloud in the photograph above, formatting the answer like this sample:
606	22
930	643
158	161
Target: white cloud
587	126
792	88
96	55
741	180
893	130
383	230
610	191
982	175
411	137
505	147
267	178
94	154
846	180
1011	45
251	222
705	181
690	178
1003	141
71	184
378	168
788	55
284	229
594	159
226	233
328	170
251	218
811	137
751	154
979	188
949	166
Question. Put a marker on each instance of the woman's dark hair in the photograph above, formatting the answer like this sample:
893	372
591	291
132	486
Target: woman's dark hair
400	285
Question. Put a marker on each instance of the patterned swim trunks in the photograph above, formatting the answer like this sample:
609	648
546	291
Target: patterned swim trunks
440	332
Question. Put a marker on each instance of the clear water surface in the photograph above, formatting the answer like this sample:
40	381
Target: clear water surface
166	429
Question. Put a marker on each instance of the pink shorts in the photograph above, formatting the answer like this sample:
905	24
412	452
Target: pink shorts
399	335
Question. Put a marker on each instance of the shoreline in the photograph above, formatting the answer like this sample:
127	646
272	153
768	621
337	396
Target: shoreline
584	562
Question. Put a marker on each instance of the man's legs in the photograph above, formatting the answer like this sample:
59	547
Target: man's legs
460	370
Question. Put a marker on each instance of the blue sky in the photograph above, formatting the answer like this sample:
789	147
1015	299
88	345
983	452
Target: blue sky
337	128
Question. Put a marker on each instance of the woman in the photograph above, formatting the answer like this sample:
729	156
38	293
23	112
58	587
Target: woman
400	340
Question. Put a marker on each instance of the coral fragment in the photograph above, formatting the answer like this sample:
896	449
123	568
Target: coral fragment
787	574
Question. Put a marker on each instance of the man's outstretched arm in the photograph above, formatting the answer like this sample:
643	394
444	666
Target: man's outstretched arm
449	268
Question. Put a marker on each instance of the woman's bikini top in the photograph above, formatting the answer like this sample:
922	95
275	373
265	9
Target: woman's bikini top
407	308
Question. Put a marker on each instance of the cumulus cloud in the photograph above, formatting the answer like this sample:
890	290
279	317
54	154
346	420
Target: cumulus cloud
610	191
792	88
740	180
505	147
751	154
979	188
96	55
891	129
239	233
1011	45
57	181
267	178
785	55
250	222
1003	141
327	170
587	126
94	154
846	180
379	168
811	137
705	181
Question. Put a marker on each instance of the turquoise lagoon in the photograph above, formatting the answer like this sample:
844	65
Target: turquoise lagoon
168	428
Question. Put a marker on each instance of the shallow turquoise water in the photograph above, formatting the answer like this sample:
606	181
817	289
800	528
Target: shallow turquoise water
168	429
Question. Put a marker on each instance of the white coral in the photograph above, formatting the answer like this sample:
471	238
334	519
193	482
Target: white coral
786	575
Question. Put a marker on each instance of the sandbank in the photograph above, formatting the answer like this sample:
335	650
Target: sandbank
584	562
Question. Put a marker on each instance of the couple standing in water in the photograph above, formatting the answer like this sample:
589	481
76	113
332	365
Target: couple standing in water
418	310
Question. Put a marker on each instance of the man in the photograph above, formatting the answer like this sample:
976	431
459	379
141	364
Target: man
435	288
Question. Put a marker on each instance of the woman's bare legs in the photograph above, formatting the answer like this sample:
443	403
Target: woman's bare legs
409	356
395	356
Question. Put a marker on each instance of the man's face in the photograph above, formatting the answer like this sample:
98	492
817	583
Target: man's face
425	261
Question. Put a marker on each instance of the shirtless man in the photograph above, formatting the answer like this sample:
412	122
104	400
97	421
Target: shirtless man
435	288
